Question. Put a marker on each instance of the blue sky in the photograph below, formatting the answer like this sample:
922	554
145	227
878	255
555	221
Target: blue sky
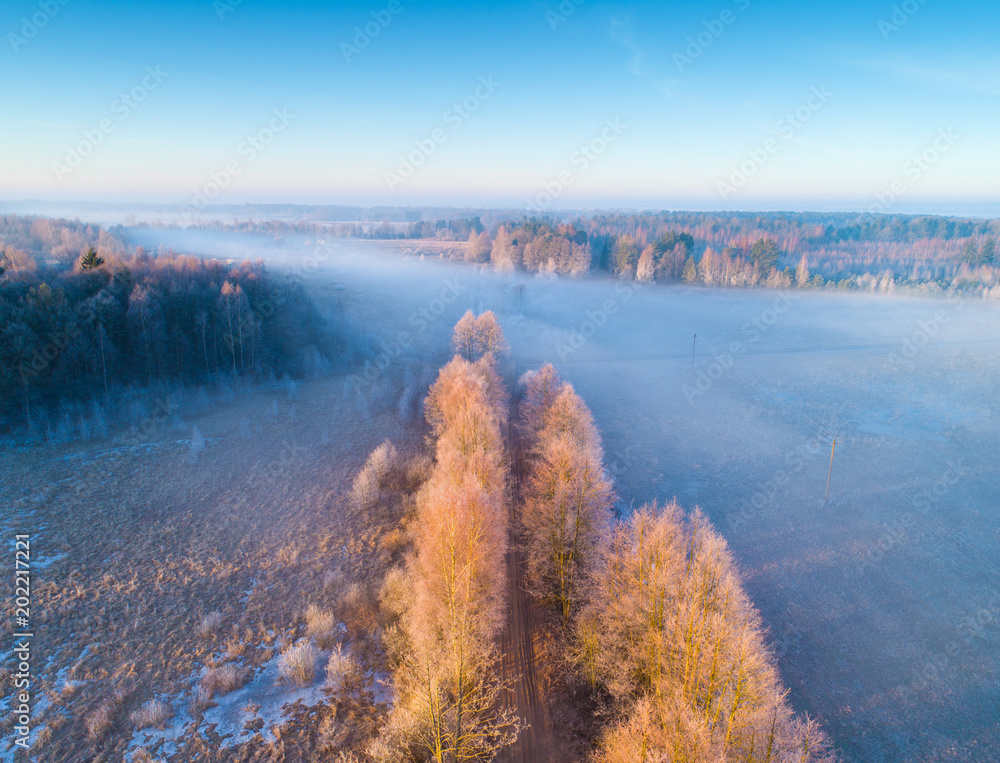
703	95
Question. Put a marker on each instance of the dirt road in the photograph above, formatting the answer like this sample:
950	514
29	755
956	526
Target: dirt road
533	745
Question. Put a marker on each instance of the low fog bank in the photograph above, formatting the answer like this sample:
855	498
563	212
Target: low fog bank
882	602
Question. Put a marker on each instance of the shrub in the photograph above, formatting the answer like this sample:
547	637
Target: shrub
209	624
98	721
358	610
297	664
218	681
418	470
154	713
333	582
396	593
339	668
382	460
394	541
366	490
319	626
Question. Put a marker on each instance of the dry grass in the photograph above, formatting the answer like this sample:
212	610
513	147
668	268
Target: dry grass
340	668
207	545
209	624
99	720
218	681
320	626
142	755
297	664
234	648
154	713
43	737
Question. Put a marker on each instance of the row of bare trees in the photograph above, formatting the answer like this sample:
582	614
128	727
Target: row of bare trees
448	707
652	616
566	512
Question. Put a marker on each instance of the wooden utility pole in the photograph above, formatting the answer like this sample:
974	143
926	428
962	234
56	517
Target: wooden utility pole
830	475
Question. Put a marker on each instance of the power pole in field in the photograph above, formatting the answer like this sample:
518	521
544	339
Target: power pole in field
830	475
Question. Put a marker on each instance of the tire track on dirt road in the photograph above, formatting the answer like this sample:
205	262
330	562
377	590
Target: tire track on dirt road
517	646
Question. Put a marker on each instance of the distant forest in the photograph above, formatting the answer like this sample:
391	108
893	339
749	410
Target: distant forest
84	319
777	250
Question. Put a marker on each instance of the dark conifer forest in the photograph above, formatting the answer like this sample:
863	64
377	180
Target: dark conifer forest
85	318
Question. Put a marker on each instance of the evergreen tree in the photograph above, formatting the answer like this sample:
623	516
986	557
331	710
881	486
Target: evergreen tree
988	251
690	274
970	252
765	253
89	259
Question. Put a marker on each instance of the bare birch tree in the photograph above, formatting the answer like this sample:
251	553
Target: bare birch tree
671	635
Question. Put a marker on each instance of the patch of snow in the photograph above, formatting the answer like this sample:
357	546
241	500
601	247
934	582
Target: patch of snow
164	742
249	591
267	690
229	716
41	562
382	688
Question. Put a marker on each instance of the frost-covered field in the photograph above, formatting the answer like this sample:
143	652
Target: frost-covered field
884	603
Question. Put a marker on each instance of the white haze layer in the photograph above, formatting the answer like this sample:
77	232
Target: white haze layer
882	603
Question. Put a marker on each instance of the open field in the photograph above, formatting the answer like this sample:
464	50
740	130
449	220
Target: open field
159	570
883	603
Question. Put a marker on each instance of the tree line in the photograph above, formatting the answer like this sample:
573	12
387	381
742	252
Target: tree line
649	614
452	592
85	329
733	249
647	622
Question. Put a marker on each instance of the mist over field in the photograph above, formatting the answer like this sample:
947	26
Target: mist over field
841	441
539	382
882	602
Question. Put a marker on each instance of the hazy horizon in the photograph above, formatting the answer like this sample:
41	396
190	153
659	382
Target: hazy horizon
112	211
